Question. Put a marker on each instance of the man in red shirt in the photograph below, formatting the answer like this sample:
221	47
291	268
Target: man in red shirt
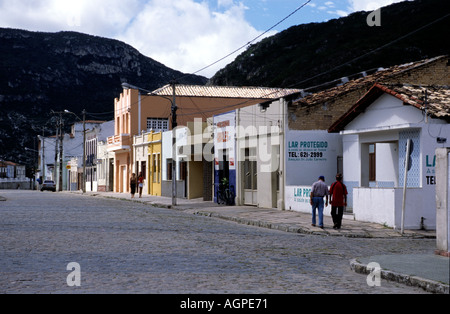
338	200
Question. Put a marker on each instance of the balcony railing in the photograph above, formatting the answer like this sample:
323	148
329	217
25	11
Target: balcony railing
119	142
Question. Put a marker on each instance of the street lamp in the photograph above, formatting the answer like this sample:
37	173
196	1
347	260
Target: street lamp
174	109
84	146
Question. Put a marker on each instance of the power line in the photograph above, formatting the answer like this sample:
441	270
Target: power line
204	112
370	52
230	54
249	43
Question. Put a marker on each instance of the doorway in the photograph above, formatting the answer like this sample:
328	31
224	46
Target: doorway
123	179
250	177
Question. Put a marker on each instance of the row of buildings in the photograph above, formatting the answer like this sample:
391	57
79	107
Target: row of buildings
13	176
266	146
11	170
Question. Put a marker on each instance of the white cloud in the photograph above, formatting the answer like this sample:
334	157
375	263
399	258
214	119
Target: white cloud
359	5
370	5
225	3
186	35
97	17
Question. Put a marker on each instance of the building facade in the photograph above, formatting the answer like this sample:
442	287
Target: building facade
375	133
136	113
155	160
13	176
317	110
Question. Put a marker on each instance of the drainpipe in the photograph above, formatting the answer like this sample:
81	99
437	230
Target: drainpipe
239	177
282	153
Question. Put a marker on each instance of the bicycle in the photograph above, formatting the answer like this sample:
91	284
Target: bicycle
225	195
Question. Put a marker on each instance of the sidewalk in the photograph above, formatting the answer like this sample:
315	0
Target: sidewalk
288	221
430	272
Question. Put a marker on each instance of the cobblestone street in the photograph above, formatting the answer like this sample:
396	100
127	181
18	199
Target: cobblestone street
127	247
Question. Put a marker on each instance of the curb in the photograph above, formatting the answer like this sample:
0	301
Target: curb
286	228
415	281
261	224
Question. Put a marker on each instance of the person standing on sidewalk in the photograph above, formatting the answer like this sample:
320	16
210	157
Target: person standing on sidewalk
140	184
133	182
338	200
319	190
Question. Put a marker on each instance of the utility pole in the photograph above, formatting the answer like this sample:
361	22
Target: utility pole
174	126
43	154
174	145
84	152
83	175
55	166
61	138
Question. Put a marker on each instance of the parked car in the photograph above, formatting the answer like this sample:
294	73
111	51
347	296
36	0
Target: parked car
48	185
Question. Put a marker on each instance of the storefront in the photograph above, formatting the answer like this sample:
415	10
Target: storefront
225	158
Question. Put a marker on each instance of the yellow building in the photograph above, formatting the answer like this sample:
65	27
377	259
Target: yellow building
154	161
137	112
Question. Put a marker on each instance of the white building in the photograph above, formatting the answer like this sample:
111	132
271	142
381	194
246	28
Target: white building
267	164
309	154
97	160
46	157
181	159
105	167
71	157
375	132
13	176
259	141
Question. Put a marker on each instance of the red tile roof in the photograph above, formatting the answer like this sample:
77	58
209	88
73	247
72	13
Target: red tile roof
435	99
364	82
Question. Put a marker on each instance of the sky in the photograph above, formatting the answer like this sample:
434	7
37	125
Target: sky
185	35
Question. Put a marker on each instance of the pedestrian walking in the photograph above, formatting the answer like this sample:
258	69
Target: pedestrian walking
338	200
140	184
319	190
133	182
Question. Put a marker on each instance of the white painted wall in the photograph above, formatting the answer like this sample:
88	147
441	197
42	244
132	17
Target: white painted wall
383	123
259	127
167	145
302	172
385	112
387	164
310	154
374	205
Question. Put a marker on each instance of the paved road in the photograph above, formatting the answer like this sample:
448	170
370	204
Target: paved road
126	247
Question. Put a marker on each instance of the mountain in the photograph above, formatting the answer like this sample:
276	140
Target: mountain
41	72
311	54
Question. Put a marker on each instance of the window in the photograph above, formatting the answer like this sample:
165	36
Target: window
183	171
156	168
144	169
372	163
169	169
158	165
157	124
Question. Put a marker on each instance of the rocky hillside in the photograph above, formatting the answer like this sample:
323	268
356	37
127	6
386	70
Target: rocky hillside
311	54
40	72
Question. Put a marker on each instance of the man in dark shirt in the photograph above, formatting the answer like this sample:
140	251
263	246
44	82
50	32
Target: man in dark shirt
338	200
